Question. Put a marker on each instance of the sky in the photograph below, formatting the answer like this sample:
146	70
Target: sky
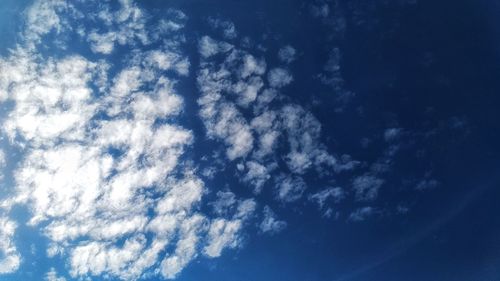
326	140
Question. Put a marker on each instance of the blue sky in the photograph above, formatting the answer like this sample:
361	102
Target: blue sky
249	140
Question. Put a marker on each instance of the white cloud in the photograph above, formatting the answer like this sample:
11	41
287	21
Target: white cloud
251	66
287	54
222	119
392	134
2	164
289	189
279	77
335	193
125	26
227	27
222	234
9	256
209	47
225	201
274	132
53	276
257	175
186	247
42	17
245	209
270	223
366	187
227	204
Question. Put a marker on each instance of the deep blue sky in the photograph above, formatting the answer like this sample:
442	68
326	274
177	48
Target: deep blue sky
428	69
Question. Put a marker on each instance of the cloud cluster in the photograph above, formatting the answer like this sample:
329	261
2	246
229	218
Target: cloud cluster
104	164
242	107
271	224
102	169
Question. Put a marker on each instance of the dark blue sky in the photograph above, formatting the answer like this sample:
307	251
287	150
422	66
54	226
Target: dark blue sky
402	94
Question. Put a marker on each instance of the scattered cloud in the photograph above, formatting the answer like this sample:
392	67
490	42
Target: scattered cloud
209	47
10	258
53	276
270	223
366	187
227	28
335	194
289	188
279	77
362	214
287	54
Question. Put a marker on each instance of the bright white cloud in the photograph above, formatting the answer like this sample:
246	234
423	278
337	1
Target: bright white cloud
102	169
53	276
257	175
222	234
366	187
9	256
392	134
227	28
209	47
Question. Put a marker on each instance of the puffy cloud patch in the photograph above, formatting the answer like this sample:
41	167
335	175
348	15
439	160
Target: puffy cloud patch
209	47
270	223
9	256
53	276
227	28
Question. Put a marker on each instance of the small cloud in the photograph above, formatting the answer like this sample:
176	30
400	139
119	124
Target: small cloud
320	10
402	210
287	54
366	187
225	201
361	214
392	134
227	27
279	77
335	193
290	188
426	184
209	47
257	175
9	256
222	234
270	224
53	276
